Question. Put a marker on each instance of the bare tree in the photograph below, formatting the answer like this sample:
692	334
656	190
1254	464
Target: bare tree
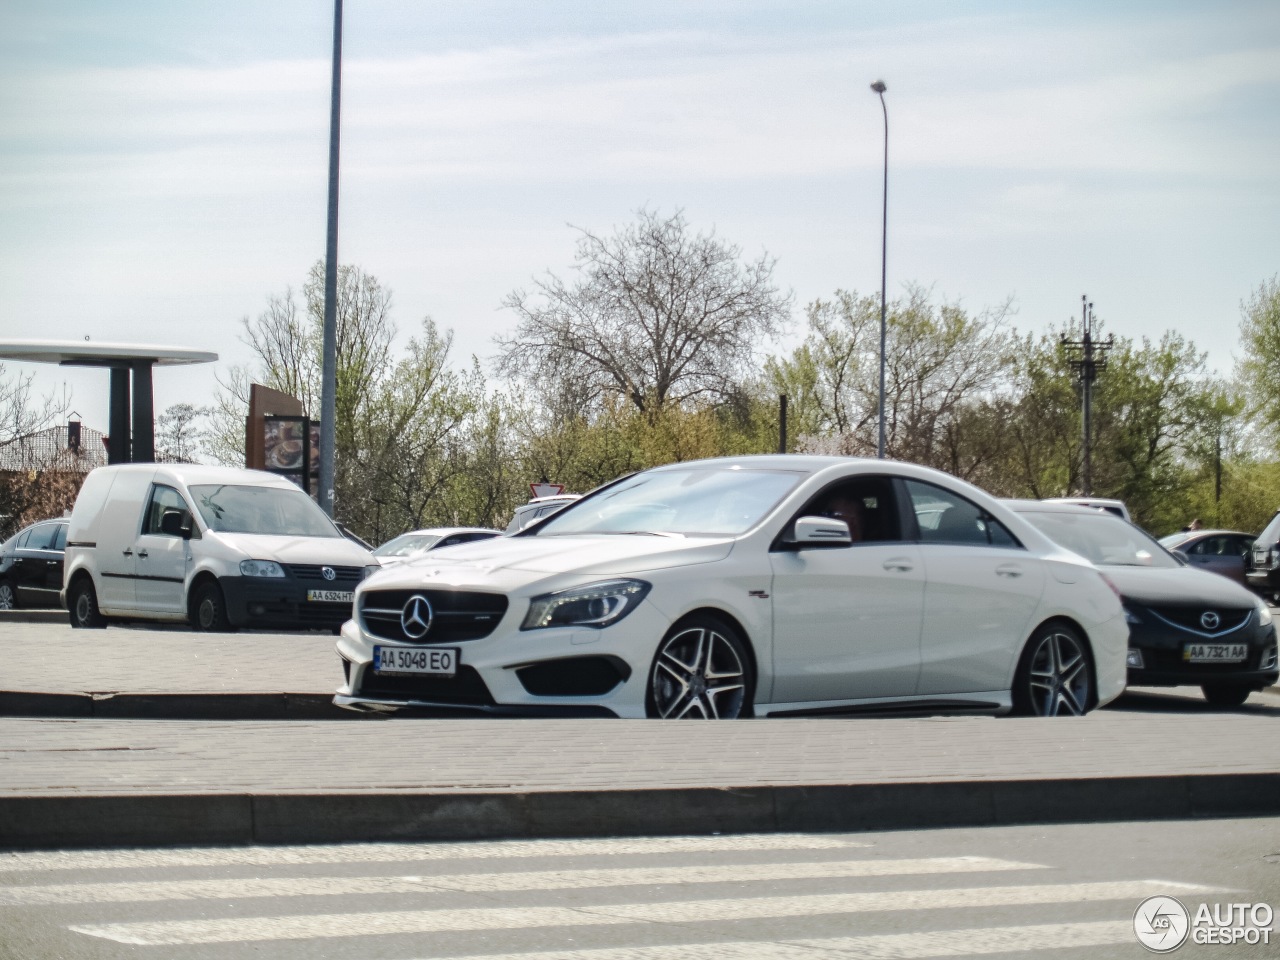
658	315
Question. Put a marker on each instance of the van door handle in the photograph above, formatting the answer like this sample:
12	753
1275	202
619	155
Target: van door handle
1009	570
900	564
128	551
142	553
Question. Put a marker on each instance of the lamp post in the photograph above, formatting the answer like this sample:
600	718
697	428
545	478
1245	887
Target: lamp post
880	88
329	354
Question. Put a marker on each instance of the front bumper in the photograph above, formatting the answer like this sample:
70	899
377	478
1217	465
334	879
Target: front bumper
1162	647
281	603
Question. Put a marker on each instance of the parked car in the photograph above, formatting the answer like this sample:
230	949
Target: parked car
31	566
1228	552
772	585
537	508
1186	626
215	546
1114	507
1263	574
417	542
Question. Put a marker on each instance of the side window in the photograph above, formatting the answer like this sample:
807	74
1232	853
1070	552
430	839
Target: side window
60	539
162	499
945	517
866	504
1198	549
20	541
42	536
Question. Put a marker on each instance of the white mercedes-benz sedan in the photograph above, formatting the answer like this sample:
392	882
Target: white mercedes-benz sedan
765	586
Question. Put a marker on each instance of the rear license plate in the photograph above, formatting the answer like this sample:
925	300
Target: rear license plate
330	596
437	661
1214	652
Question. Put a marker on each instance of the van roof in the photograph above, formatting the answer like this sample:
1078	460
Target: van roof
196	473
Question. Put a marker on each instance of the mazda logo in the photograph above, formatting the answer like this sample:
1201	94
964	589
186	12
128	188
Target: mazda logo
328	573
1210	620
415	618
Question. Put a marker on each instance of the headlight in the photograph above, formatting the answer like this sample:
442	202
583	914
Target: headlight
1130	617
370	570
260	568
1264	614
595	605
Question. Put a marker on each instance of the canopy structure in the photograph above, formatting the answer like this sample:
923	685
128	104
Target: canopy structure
132	431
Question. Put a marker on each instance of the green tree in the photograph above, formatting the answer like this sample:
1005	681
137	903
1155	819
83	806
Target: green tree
1256	370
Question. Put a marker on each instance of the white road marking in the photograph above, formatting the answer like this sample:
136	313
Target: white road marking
406	852
242	888
303	927
900	946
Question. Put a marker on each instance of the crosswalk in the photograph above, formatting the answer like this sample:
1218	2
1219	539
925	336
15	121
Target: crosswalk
722	898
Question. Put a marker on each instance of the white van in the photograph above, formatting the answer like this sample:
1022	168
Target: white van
215	546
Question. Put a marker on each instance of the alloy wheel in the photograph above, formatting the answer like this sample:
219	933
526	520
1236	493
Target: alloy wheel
7	601
699	674
1059	677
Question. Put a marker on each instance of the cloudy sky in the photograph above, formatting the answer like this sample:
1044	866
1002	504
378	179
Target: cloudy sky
163	165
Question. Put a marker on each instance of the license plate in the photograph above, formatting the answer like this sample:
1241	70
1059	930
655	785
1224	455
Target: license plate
438	661
330	596
1214	652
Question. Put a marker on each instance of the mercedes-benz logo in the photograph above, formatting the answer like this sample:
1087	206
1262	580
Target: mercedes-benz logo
1210	620
415	618
328	573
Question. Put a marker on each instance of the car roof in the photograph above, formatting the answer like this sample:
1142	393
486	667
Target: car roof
1053	506
444	532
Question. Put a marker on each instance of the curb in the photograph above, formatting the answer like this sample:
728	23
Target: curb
45	615
174	706
186	820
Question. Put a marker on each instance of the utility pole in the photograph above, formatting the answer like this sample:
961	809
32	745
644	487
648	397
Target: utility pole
1088	357
329	354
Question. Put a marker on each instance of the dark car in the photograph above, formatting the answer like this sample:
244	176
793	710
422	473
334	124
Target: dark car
1264	573
1228	552
31	566
1186	627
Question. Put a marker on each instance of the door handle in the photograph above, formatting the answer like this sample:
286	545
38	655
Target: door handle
900	564
127	551
1009	570
142	553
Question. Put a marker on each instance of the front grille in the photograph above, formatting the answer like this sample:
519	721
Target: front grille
310	573
457	615
466	689
1188	618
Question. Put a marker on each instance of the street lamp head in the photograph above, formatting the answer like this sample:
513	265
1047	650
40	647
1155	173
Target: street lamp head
879	86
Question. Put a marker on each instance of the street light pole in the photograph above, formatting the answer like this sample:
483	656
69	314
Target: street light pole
880	88
329	363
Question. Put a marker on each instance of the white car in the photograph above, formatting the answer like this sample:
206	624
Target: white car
766	586
537	508
417	542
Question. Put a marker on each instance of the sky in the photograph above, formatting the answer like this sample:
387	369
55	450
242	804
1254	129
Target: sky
163	166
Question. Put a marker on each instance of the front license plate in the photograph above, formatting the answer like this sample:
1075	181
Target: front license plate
438	661
330	596
1214	652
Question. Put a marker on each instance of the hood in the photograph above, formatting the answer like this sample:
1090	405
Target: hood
334	551
1178	586
507	563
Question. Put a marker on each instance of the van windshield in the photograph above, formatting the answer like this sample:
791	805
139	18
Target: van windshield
274	511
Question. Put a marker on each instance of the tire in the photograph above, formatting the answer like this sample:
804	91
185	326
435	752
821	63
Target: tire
1226	694
209	609
8	599
1055	674
82	604
701	671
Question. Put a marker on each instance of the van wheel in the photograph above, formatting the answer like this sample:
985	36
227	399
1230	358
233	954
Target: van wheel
82	602
209	609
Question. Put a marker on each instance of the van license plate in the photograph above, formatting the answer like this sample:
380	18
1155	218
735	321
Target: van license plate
1214	652
330	596
437	661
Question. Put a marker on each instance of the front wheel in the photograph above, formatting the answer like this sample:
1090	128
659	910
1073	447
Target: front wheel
8	601
701	671
1225	694
82	603
209	609
1054	677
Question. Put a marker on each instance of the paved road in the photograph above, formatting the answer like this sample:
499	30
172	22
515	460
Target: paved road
1053	893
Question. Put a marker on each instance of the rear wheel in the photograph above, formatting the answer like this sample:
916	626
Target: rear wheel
702	671
1054	677
209	609
8	601
82	603
1226	694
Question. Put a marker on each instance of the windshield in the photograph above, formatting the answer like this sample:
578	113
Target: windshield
692	502
1102	539
274	511
407	544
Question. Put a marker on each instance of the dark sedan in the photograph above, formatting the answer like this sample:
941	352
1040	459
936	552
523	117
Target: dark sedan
31	566
1228	552
1186	627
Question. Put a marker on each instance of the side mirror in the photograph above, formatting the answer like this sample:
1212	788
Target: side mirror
176	523
820	532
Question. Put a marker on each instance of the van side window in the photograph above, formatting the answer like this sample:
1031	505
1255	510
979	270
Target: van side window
162	498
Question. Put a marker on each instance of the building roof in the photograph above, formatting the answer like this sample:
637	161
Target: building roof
47	449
